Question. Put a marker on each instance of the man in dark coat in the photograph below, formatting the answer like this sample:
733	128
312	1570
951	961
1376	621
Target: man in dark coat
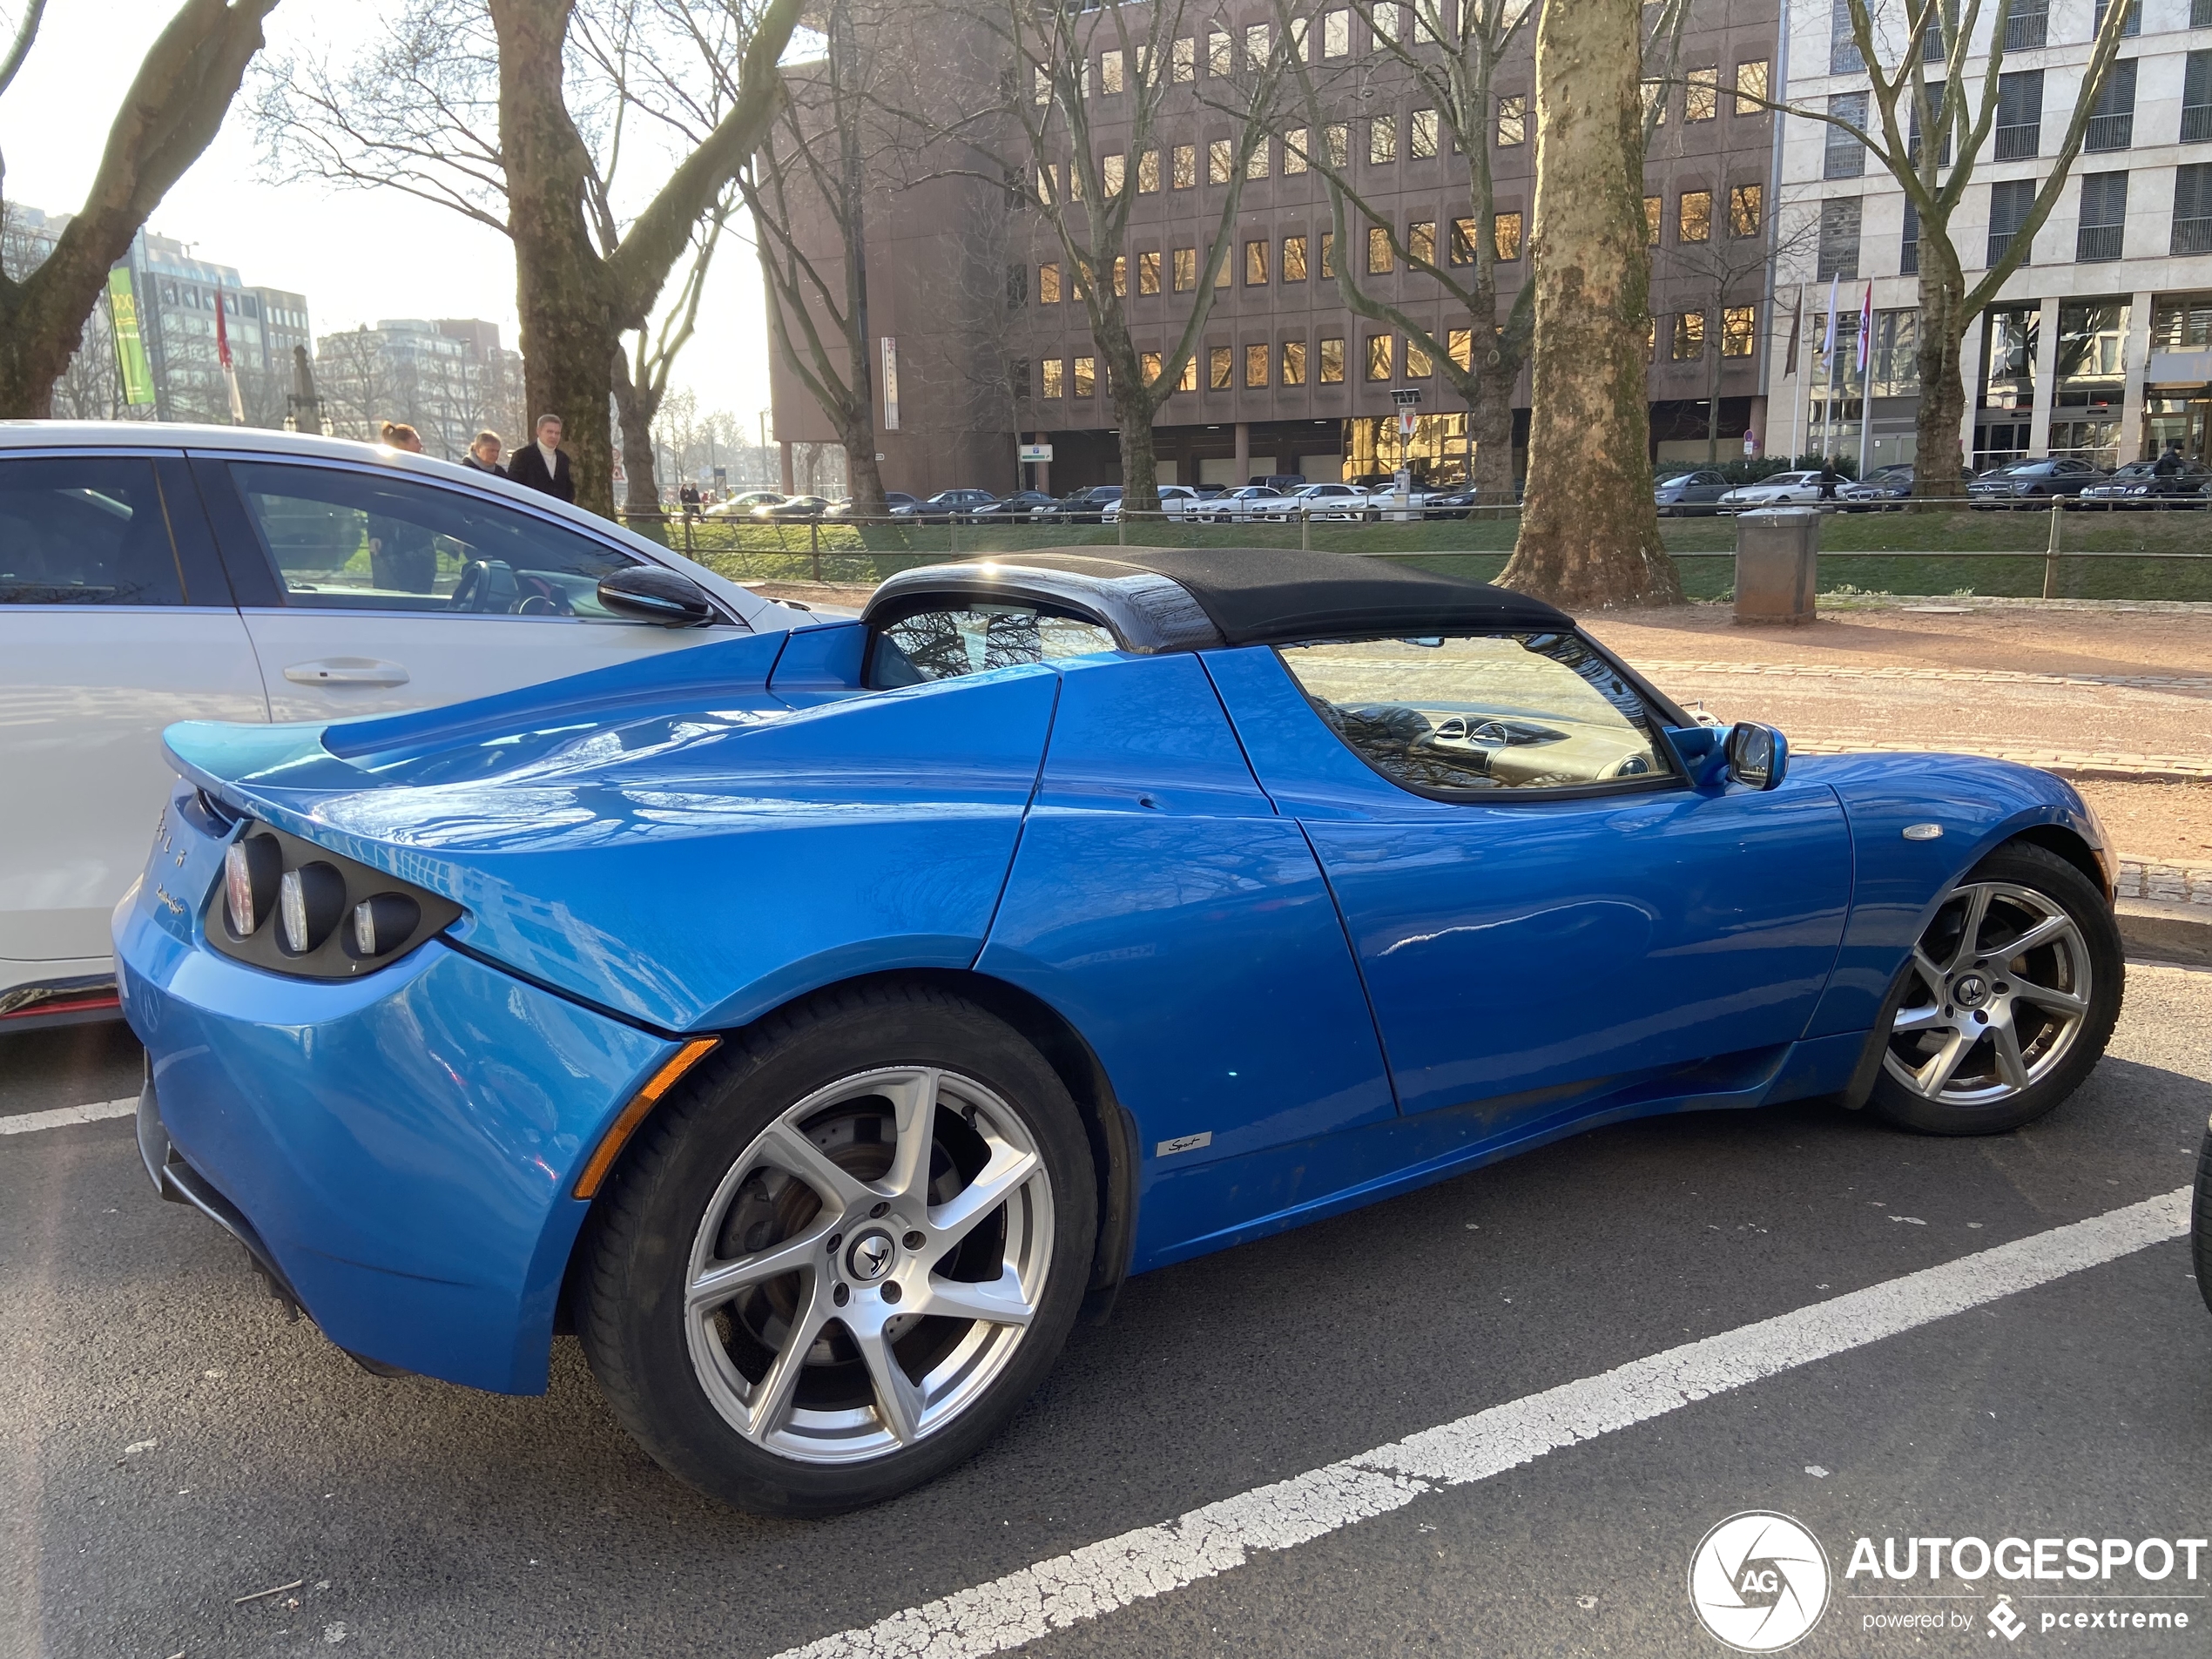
544	465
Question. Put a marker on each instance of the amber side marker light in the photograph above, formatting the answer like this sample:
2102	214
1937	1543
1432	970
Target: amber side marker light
666	1078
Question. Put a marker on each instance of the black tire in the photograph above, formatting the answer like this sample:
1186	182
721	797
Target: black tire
2200	1222
639	1247
2022	866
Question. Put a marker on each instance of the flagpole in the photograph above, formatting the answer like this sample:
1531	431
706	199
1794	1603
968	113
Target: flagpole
1803	391
1866	376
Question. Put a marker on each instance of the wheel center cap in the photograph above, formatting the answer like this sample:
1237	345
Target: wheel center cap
869	1257
1969	990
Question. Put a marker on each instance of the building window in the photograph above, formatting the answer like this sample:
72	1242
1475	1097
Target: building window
1459	344
1113	173
1420	242
1055	384
2112	124
2196	98
1380	260
1838	254
1335	34
1750	87
1256	265
1186	269
1183	61
1654	215
1694	216
1382	141
1048	183
1219	57
1700	99
1463	241
1294	159
1843	56
1422	144
1689	336
1148	173
1739	330
2027	25
2104	217
1513	120
2200	14
1844	156
2131	24
1256	164
1221	161
1505	236
1110	74
1148	368
1187	381
2193	208
1294	258
1294	362
1336	144
1333	362
1255	368
2020	115
1650	337
1655	103
1328	253
1148	272
1086	377
1419	365
1048	285
1934	92
1218	368
1040	86
1379	352
1120	276
1745	204
1385	24
1259	42
1908	253
2008	205
1182	172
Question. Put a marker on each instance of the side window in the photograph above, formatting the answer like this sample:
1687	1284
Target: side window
85	531
943	644
360	541
1473	715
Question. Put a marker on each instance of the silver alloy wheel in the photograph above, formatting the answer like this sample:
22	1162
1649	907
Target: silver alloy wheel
869	1266
2003	991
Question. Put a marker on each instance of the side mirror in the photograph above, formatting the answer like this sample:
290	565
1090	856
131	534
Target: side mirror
1758	755
650	593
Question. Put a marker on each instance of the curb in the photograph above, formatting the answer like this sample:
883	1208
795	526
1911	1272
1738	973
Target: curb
2165	911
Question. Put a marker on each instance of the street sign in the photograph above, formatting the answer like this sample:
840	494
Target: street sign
1750	446
1036	452
1407	397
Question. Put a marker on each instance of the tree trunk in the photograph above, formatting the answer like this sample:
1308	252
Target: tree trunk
1936	461
1490	425
1591	533
863	477
1140	458
634	410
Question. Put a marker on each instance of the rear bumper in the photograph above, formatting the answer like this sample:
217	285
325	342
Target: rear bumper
396	1154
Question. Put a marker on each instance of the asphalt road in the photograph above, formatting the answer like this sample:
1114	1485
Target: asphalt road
168	1444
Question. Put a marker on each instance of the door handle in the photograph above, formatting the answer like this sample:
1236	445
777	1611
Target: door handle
347	670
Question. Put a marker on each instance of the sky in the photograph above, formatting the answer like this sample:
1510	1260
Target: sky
358	255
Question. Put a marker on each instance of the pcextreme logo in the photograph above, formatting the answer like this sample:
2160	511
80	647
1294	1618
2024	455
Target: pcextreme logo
1758	1581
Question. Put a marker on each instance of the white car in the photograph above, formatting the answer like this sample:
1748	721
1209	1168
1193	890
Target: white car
1330	501
150	574
1175	502
1780	490
1244	506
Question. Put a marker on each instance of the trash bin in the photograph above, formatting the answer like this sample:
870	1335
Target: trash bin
1777	564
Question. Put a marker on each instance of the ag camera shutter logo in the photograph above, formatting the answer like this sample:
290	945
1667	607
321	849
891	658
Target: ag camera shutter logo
1758	1581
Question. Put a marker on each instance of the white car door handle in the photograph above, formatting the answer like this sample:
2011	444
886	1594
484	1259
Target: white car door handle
346	671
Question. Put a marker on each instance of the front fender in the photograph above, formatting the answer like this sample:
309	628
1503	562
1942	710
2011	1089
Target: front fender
1979	804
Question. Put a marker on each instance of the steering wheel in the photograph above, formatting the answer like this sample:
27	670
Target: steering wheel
469	592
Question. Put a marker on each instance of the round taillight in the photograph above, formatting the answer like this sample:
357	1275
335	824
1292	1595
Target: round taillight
384	923
251	868
310	899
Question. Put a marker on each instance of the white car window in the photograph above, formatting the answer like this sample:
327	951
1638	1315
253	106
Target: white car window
85	531
359	541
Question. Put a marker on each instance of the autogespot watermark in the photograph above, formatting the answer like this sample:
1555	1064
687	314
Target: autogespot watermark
1760	1582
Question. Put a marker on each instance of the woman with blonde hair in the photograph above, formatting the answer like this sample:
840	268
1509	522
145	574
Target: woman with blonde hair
483	455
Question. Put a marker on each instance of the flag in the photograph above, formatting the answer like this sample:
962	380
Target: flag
1828	338
132	368
223	355
1797	330
1865	329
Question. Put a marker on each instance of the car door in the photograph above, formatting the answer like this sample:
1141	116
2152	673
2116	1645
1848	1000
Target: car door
115	619
1544	910
365	591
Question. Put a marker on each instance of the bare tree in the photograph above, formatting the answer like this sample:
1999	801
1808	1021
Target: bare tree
1590	533
467	104
169	116
1931	136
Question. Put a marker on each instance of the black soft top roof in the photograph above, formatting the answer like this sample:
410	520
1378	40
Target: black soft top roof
1242	596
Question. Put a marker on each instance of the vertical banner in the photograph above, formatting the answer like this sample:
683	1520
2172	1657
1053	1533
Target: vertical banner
130	346
223	354
890	384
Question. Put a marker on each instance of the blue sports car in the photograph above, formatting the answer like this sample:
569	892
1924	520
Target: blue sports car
813	1023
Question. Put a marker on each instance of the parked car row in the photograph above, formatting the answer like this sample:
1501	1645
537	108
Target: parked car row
2139	483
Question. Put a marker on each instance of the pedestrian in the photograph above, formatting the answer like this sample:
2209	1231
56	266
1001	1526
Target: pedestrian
2168	465
484	453
688	498
395	435
1829	478
544	465
402	555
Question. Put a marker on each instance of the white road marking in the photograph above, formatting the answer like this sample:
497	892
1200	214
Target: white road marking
1154	1560
25	1122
